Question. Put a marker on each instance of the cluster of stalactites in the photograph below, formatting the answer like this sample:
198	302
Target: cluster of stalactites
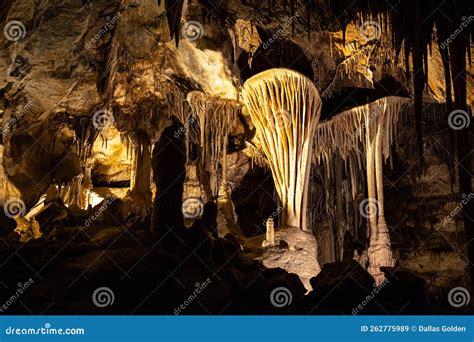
215	118
347	135
362	137
77	191
285	107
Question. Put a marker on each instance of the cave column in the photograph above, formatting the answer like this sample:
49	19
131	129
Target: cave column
284	107
141	169
379	251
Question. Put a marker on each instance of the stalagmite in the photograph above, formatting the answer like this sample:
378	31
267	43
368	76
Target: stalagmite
364	132
141	169
270	233
285	107
193	194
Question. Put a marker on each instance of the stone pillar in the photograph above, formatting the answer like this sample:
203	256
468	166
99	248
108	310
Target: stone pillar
270	234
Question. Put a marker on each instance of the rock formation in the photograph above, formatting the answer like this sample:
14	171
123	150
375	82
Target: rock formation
149	146
285	108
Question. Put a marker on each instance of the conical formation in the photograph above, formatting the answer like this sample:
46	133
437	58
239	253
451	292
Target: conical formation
285	107
362	137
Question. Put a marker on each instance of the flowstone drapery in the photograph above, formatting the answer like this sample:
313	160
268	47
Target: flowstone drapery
215	117
362	137
285	106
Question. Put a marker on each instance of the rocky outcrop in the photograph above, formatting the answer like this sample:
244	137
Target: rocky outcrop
295	251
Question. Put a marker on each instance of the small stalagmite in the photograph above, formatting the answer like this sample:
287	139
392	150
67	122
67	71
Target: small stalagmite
285	106
270	234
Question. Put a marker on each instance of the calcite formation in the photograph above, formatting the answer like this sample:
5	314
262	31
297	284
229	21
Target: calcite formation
362	136
244	141
285	108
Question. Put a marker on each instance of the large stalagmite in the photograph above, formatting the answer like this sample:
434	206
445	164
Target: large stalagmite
285	107
362	137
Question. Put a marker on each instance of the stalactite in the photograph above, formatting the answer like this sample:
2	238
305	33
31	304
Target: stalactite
362	137
256	155
77	191
344	69
285	107
215	117
141	175
174	9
